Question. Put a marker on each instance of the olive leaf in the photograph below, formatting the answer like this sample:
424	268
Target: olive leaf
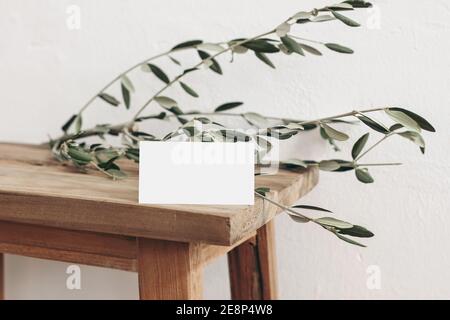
159	73
307	207
127	83
403	119
310	49
292	45
333	222
359	145
363	175
358	3
283	29
186	44
414	137
228	106
373	124
126	96
348	240
214	65
78	123
166	102
338	48
357	231
294	163
262	190
333	133
261	56
109	99
210	47
260	45
66	126
188	89
329	165
255	119
345	20
423	123
79	155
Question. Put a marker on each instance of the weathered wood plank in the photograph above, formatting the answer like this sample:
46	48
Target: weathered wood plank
252	267
35	189
169	270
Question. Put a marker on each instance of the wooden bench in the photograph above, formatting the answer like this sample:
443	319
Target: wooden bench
51	211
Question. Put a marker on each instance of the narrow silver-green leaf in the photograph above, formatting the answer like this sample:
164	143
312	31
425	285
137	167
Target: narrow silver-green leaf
127	83
78	123
126	96
283	29
263	57
307	207
228	106
414	137
188	89
348	240
338	48
310	49
363	175
109	99
292	45
329	165
359	145
166	102
159	73
333	222
255	119
349	22
403	119
333	133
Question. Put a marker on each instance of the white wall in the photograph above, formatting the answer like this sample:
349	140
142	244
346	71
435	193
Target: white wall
47	71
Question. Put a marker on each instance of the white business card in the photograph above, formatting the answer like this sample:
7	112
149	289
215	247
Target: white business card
219	173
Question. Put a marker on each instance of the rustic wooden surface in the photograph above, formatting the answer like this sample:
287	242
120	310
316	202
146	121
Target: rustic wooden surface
252	267
37	190
2	275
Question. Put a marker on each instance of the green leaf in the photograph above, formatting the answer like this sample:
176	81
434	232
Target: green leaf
310	49
262	190
359	3
283	29
159	73
78	123
166	102
333	133
345	19
188	90
373	124
261	45
294	163
297	218
190	43
228	106
117	174
363	175
292	45
215	66
348	240
255	119
174	60
414	137
357	231
338	48
176	111
127	83
323	18
311	208
126	96
403	119
333	222
302	15
423	123
66	126
78	154
261	56
341	6
359	145
109	99
329	165
234	135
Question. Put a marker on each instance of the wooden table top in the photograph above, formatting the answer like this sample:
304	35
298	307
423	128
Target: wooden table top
36	189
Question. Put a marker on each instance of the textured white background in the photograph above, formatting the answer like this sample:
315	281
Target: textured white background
47	71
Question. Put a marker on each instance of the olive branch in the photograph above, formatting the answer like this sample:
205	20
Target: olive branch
202	126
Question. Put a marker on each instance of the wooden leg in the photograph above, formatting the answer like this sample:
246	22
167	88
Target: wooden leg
252	267
2	276
169	270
